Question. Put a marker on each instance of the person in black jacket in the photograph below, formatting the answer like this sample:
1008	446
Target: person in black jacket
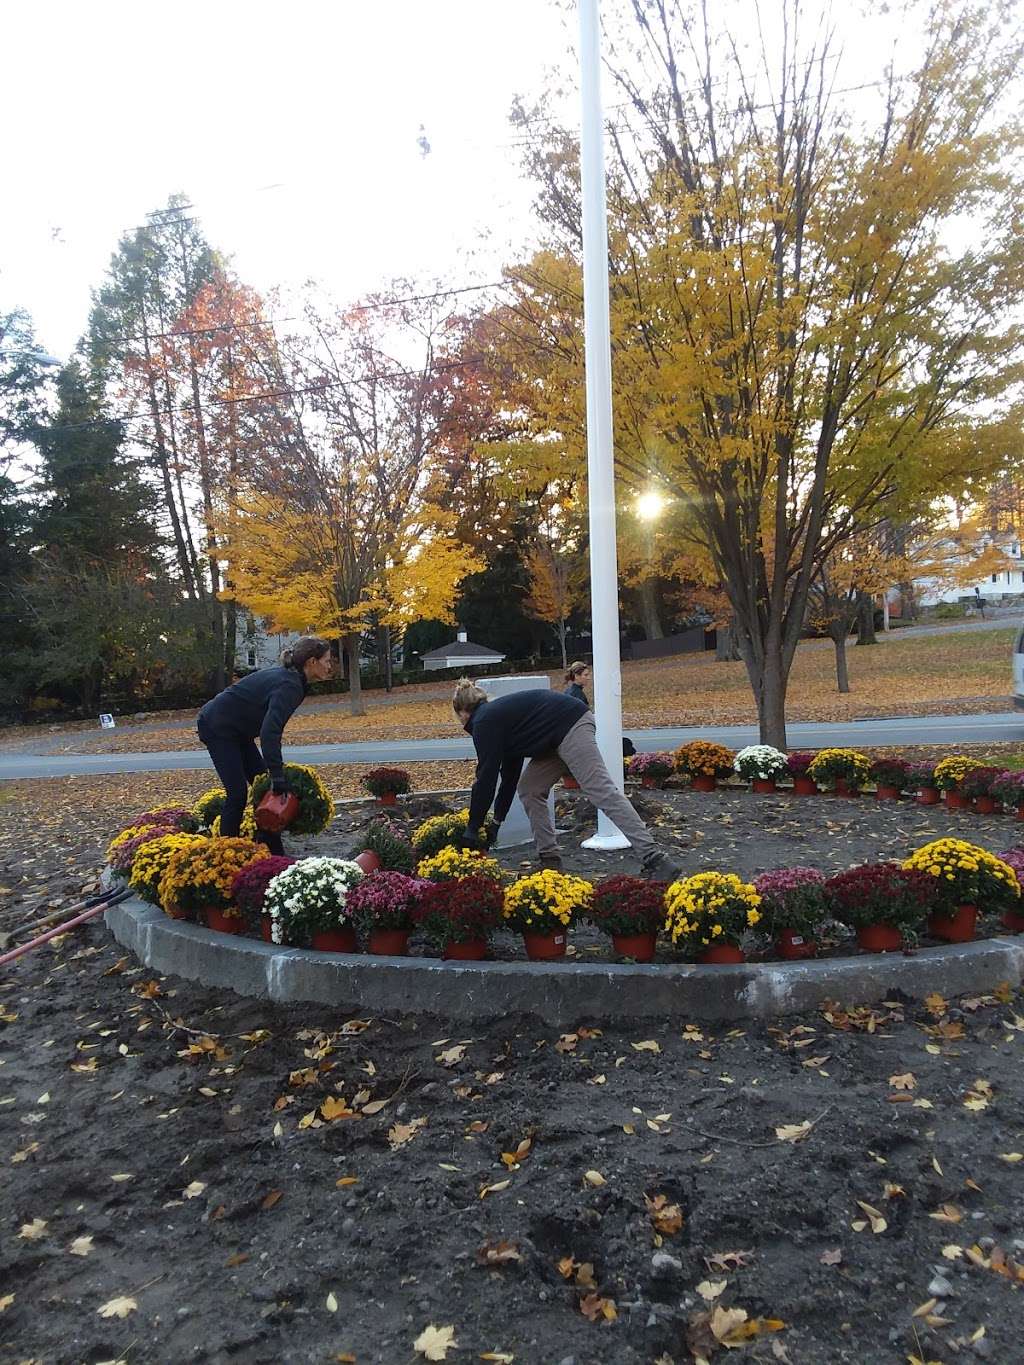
258	705
557	734
575	676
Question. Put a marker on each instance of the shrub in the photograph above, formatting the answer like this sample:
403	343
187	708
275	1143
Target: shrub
701	758
452	864
381	781
882	893
203	873
951	770
386	900
964	874
150	863
831	764
792	898
395	852
628	905
890	772
655	767
316	809
310	897
460	912
249	888
761	761
546	901
710	908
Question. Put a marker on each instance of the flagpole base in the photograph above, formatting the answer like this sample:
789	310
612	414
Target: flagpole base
607	842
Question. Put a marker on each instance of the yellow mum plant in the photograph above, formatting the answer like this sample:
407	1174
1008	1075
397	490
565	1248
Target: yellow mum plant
831	764
709	908
201	874
967	875
546	901
950	771
151	859
452	864
442	831
248	830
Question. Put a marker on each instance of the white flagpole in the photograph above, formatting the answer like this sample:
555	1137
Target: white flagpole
604	576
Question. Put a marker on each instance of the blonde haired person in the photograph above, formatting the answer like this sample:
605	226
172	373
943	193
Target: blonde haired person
557	733
575	676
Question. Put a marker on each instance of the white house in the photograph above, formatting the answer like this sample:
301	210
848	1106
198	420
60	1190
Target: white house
1008	582
255	645
461	653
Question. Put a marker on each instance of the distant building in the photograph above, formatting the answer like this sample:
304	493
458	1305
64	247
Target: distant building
256	646
992	587
461	653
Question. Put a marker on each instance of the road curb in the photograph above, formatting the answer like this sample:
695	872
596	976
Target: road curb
560	994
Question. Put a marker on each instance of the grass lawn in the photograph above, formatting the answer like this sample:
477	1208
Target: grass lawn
949	673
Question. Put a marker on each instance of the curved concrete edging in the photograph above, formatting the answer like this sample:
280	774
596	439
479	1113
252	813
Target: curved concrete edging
558	993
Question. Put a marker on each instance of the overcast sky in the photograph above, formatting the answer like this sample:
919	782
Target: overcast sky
293	127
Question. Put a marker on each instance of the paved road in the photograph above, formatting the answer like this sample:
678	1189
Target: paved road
948	731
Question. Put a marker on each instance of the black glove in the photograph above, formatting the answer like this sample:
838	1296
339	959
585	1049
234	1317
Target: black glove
280	787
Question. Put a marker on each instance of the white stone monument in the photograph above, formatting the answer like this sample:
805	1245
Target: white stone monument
515	828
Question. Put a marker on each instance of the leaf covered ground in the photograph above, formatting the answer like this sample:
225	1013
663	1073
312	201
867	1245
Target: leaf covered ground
953	672
193	1176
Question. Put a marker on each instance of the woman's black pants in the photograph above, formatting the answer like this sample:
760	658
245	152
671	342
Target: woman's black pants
238	762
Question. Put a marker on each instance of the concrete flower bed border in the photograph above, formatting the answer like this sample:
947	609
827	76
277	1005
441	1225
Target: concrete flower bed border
561	993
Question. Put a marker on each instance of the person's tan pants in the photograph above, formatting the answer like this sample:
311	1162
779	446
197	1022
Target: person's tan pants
578	755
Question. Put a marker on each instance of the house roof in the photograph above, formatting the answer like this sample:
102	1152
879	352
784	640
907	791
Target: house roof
463	649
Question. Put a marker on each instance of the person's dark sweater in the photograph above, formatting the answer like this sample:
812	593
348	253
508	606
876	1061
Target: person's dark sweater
507	731
575	690
257	705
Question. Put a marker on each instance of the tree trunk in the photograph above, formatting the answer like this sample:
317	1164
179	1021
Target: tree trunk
561	643
842	676
650	609
866	619
355	682
727	649
210	548
771	702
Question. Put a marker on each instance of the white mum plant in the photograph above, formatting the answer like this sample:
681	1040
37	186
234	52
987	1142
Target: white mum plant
759	760
309	897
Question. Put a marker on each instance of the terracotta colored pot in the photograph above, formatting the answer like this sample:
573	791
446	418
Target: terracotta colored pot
763	785
843	788
928	796
805	786
1012	920
265	927
703	783
652	783
722	952
367	860
1020	812
387	799
335	940
956	800
175	913
389	942
985	805
886	793
956	928
569	783
640	947
224	924
544	947
475	950
879	938
794	947
275	813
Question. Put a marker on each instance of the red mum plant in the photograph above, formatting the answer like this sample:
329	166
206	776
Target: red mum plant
798	763
882	893
628	905
250	886
381	782
890	772
460	911
978	782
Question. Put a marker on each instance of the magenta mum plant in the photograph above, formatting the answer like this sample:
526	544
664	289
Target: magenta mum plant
919	776
124	854
250	885
792	898
798	763
386	900
1009	788
658	766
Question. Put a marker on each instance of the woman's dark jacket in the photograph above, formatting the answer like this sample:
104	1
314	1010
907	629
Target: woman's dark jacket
257	705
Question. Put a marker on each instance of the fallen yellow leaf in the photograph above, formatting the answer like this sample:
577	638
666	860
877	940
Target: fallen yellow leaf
435	1342
117	1308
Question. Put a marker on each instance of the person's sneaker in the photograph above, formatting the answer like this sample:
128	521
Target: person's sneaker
551	862
659	867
